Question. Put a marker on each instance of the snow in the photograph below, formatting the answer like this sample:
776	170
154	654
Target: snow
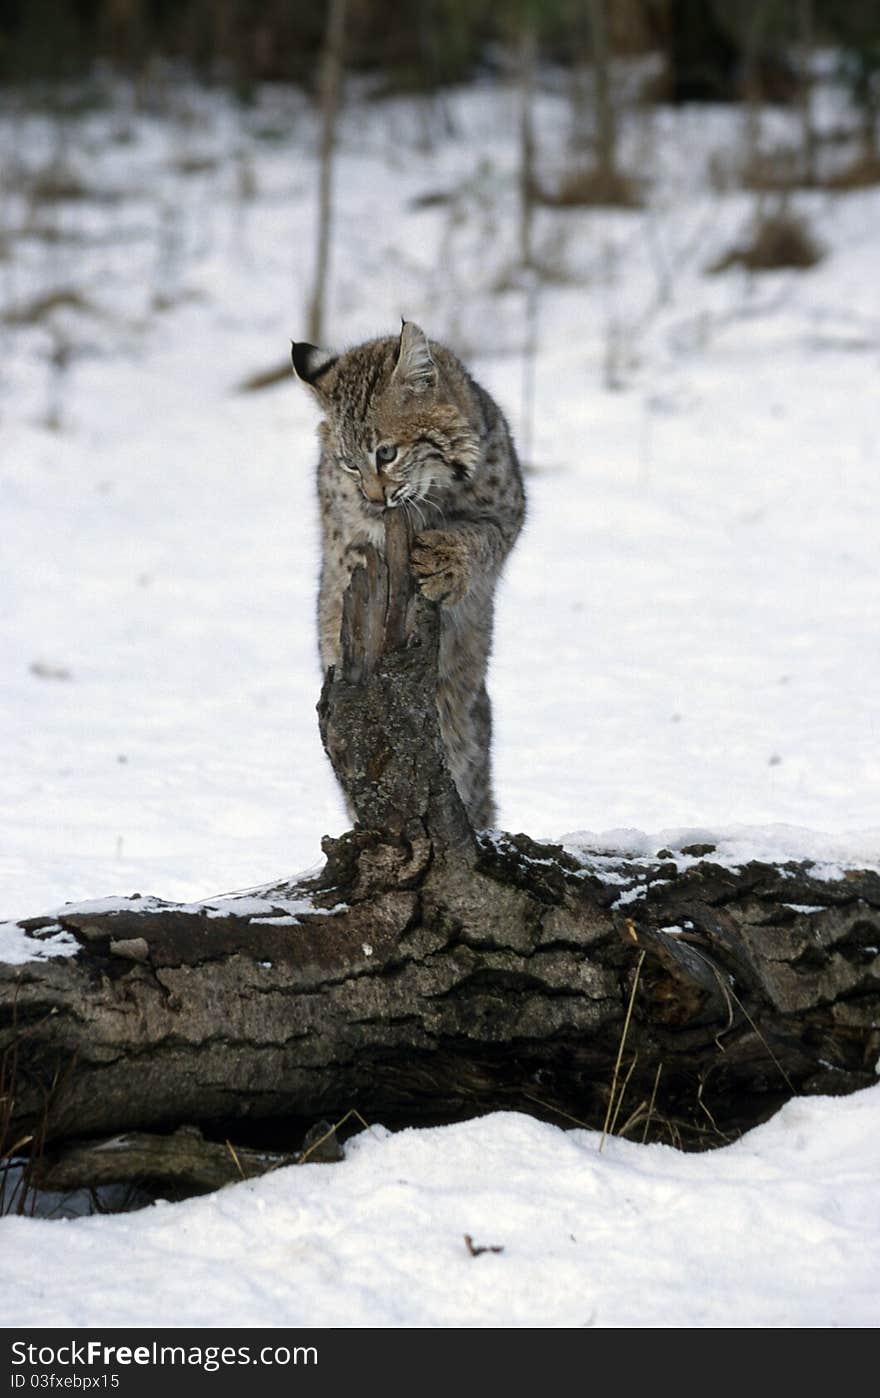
267	907
16	949
778	1229
828	856
686	642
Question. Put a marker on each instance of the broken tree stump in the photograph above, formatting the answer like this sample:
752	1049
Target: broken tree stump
430	972
378	715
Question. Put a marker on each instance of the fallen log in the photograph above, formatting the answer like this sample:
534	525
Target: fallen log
430	972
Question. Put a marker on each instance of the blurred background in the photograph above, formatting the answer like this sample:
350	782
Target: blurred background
650	227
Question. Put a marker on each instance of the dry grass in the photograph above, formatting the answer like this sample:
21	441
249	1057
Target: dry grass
19	1154
267	378
861	173
778	169
58	183
195	165
54	184
592	188
43	307
615	1100
776	241
783	169
322	1145
433	199
23	1154
547	267
48	232
169	301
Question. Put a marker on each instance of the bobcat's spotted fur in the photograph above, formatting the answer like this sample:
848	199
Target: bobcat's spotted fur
406	426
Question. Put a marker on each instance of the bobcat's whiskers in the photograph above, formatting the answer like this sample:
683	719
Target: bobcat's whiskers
411	509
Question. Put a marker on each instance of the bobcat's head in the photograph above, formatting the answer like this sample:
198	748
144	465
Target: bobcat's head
391	419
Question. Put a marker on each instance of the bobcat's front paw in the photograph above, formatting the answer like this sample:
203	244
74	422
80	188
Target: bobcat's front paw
355	556
442	565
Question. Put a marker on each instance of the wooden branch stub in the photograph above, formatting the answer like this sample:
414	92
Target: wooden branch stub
378	712
183	1158
401	588
378	612
363	619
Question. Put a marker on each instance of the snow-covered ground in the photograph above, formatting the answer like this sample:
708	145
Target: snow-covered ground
687	637
776	1230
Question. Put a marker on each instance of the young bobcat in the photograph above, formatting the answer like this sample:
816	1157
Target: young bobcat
406	426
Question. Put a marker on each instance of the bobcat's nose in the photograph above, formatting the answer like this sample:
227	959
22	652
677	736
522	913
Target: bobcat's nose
372	488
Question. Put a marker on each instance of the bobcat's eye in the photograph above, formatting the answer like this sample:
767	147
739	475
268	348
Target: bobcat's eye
385	454
347	466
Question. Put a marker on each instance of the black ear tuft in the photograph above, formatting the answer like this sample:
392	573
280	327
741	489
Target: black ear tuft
309	362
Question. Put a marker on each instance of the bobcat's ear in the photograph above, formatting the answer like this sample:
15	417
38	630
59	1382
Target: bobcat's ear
310	364
415	369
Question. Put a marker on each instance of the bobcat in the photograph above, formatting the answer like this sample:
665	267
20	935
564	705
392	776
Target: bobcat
405	426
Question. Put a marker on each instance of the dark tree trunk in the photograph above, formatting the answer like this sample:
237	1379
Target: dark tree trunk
606	122
526	61
331	90
429	973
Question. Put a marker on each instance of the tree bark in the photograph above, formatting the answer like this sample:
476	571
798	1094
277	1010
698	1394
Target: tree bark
526	60
331	89
430	973
606	124
806	47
